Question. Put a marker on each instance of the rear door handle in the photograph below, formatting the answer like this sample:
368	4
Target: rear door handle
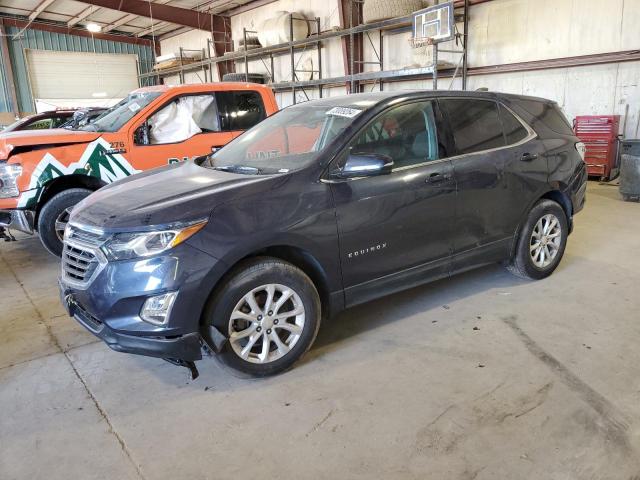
527	157
438	177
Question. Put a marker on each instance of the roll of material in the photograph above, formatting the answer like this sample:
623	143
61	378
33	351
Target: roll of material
377	10
276	30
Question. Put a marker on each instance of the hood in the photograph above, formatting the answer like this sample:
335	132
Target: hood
25	138
177	193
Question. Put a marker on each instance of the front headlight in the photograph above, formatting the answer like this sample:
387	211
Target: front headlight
9	174
125	246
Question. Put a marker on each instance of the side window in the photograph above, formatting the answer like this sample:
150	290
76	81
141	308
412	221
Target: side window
549	113
39	125
183	118
406	133
240	110
475	124
513	129
57	121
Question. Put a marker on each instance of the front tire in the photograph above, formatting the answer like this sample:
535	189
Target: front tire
270	312
54	216
541	242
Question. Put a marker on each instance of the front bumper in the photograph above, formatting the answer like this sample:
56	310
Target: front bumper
185	347
21	220
109	306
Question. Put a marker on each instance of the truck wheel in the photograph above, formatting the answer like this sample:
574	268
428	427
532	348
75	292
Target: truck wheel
54	216
269	310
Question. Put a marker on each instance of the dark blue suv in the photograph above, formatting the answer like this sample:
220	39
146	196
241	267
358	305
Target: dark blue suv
322	206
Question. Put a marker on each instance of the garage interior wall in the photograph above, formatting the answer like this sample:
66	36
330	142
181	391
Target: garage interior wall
44	40
500	32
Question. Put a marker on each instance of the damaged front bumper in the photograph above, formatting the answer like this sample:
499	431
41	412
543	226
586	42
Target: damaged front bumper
183	347
21	220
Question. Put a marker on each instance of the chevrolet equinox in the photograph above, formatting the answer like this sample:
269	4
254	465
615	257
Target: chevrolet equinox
322	206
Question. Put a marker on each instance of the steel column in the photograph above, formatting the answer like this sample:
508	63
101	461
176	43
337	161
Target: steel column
465	45
352	45
8	68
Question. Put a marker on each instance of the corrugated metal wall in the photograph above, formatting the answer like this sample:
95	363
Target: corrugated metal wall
45	40
4	93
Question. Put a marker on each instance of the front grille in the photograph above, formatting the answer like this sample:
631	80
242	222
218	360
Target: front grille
80	255
91	322
78	264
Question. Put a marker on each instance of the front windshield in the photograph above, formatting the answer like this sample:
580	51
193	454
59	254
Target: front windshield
113	119
85	119
14	125
287	141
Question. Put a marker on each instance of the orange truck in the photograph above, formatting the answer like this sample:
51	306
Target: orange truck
43	174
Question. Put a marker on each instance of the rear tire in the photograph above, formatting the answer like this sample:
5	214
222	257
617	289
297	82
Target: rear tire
262	339
541	243
54	216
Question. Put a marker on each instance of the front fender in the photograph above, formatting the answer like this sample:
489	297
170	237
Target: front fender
41	167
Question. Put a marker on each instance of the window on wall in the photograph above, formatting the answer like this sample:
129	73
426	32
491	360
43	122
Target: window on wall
475	124
240	110
513	128
406	133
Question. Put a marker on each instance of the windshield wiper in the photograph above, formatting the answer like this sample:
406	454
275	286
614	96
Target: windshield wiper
243	169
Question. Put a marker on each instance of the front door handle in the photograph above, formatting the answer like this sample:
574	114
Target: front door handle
527	157
438	177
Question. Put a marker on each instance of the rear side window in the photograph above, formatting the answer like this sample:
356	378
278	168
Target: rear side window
513	129
549	113
475	124
239	110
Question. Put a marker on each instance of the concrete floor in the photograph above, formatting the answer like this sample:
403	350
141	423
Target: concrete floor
481	377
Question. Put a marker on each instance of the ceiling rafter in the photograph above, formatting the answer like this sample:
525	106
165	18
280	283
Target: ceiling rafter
39	9
82	15
129	17
159	11
152	29
120	21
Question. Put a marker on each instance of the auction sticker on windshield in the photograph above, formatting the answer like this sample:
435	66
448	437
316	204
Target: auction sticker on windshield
344	112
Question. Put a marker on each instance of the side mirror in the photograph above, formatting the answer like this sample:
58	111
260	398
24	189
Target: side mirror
141	135
365	165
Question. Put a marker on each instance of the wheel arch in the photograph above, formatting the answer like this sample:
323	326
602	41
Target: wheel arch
555	195
63	183
563	200
297	256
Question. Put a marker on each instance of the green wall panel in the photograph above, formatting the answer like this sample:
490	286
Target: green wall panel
44	40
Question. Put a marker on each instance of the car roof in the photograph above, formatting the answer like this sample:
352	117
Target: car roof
368	100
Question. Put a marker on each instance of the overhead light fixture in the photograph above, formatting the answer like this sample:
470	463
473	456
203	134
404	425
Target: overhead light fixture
93	27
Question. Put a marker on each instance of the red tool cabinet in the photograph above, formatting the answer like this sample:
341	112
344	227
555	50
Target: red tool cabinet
599	133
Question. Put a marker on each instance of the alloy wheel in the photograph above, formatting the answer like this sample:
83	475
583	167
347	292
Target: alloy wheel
546	239
266	323
61	222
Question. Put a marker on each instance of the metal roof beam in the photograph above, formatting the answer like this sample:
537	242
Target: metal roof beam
152	29
117	23
166	13
82	15
39	9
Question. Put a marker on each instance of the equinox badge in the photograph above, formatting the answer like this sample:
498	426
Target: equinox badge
364	251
